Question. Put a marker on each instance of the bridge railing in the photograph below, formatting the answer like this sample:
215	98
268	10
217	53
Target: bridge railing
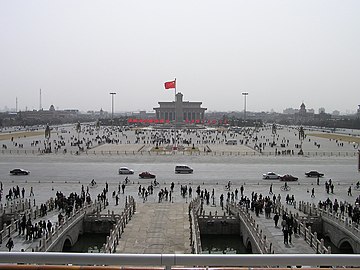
345	221
17	208
305	231
112	240
195	206
264	246
49	239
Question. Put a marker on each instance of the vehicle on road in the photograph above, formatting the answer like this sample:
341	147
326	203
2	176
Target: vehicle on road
125	170
231	142
314	174
270	175
147	175
183	169
288	177
19	171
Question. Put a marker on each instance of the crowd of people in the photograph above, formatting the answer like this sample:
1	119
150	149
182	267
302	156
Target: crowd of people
257	138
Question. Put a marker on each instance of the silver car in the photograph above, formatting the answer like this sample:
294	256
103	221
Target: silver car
125	170
270	175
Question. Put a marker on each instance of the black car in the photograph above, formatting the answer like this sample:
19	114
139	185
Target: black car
19	172
314	174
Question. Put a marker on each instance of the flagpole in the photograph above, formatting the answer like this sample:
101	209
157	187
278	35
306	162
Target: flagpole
175	89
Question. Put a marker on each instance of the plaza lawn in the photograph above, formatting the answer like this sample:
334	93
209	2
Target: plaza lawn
21	134
332	136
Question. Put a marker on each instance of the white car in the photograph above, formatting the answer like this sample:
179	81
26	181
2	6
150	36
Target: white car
270	175
125	170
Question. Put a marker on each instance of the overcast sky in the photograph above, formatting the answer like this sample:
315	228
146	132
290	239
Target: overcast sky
282	53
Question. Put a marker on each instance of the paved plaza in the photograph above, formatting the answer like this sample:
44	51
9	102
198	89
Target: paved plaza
167	222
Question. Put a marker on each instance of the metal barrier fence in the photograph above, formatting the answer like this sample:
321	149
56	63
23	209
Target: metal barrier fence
168	261
191	153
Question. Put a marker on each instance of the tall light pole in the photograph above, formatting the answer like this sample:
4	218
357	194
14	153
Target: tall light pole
245	94
112	108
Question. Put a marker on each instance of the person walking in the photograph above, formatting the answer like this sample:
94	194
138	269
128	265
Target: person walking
271	189
313	193
276	219
10	244
349	191
290	232
286	235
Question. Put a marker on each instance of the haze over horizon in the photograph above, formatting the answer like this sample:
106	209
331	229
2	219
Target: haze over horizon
281	52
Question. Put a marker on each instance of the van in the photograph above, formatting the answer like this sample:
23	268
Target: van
231	142
183	169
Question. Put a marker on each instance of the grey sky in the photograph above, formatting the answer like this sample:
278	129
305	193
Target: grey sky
281	52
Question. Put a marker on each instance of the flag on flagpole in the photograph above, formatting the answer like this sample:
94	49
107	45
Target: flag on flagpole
170	85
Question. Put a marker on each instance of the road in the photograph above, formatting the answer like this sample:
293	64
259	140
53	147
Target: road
50	174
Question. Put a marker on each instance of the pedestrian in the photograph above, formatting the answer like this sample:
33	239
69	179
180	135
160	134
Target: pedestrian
116	200
10	244
276	219
31	191
270	191
318	180
49	226
290	232
286	235
349	191
313	193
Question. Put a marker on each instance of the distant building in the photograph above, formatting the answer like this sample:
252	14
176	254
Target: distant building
311	111
302	111
358	111
336	113
47	115
290	111
321	110
179	111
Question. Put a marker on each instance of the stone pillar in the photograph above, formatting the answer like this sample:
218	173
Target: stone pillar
179	114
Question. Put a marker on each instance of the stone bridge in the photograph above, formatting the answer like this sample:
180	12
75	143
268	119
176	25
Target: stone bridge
252	235
239	222
67	233
340	229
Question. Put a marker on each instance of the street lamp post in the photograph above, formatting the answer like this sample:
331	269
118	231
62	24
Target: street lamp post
112	108
245	94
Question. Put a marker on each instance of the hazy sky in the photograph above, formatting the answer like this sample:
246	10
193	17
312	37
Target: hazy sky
281	52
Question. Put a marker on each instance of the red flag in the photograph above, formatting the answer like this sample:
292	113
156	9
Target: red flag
169	85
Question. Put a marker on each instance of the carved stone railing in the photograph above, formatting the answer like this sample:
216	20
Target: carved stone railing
305	231
18	208
112	241
343	220
48	240
264	246
195	206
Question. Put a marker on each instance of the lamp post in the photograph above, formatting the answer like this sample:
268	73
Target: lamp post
112	108
245	94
